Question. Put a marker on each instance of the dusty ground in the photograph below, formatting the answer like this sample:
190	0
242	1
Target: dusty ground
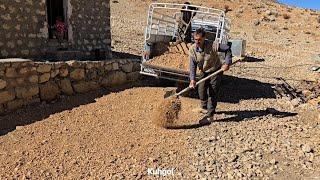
109	134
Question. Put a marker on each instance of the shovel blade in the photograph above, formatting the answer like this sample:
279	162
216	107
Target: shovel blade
169	93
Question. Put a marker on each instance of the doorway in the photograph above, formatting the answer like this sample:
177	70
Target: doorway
56	9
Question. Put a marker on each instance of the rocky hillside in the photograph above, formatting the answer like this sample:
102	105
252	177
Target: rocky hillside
283	36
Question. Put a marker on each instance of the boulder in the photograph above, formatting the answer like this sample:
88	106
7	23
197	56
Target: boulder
77	74
115	66
256	22
58	65
114	78
11	72
306	148
18	103
44	68
63	72
20	81
65	86
108	67
268	12
54	73
272	18
3	84
44	77
6	96
74	64
122	61
24	70
34	79
89	65
127	67
92	74
27	92
85	86
49	91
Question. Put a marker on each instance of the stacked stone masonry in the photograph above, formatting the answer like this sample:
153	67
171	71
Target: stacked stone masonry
24	27
24	82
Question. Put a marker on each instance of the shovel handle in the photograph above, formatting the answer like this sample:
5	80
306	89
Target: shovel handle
206	78
200	81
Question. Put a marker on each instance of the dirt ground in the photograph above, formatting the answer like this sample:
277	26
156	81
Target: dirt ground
257	134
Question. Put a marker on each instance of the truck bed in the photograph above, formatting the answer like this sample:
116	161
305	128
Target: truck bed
171	60
165	72
168	66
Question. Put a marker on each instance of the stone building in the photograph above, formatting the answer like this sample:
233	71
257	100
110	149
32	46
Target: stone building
27	28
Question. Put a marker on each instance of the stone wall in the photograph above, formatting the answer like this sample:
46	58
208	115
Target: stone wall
24	27
24	82
90	23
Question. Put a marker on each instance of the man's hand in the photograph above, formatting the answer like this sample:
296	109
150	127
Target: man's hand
225	67
192	84
215	46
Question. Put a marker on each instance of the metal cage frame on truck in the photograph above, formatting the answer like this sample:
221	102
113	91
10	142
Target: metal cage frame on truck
163	26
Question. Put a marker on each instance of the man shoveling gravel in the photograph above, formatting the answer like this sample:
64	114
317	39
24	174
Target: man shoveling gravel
205	55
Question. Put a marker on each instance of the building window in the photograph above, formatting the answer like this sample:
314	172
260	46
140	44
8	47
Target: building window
57	22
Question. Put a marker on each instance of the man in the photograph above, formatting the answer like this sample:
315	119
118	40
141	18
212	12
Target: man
205	55
185	24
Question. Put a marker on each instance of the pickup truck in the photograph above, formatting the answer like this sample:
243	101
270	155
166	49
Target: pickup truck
170	24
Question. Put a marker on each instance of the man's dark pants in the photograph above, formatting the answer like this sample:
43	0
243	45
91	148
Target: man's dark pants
208	93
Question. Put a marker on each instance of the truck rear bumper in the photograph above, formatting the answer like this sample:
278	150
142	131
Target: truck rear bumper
165	72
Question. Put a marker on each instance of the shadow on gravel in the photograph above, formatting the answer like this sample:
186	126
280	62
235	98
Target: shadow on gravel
252	59
233	89
238	116
202	122
37	112
31	114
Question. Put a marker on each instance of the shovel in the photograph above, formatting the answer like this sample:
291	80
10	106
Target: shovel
173	93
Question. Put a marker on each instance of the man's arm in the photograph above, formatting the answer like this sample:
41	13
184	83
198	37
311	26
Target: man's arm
228	53
193	70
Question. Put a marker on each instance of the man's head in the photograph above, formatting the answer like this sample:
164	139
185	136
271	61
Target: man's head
199	36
